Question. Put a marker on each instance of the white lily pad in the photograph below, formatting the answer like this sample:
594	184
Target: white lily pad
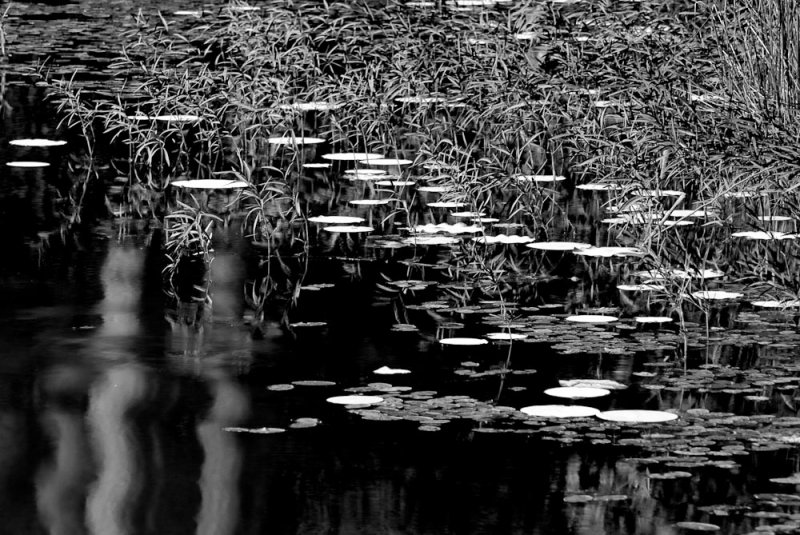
637	416
577	392
395	183
210	183
386	161
558	245
608	384
436	189
351	156
299	140
607	252
764	235
369	202
309	106
349	229
502	238
355	400
27	164
598	186
639	287
255	430
467	214
697	526
506	336
716	295
463	341
774	218
792	303
386	370
36	142
178	118
591	318
336	219
653	319
446	204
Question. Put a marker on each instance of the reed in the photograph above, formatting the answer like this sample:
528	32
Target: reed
760	41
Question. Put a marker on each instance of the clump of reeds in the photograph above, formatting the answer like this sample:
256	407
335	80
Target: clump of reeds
760	42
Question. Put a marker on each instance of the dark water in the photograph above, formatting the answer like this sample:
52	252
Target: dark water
114	400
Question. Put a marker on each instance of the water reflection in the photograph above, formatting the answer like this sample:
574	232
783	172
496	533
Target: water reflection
120	485
222	463
62	481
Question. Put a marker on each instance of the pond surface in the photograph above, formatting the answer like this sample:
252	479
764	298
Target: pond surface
130	406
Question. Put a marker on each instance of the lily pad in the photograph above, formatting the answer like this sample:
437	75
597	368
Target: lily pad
591	318
697	526
299	140
210	183
313	382
336	219
463	341
558	246
715	295
355	400
637	416
255	430
577	392
35	142
349	229
386	161
27	164
351	156
385	370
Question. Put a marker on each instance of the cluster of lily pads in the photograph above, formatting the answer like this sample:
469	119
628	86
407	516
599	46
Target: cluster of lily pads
559	179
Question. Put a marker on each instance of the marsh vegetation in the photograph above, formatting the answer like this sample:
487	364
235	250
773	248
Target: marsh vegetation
565	227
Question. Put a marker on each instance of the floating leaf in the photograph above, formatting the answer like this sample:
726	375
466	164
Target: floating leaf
313	382
558	246
355	400
637	416
351	156
386	161
716	295
593	383
210	183
653	319
35	142
576	392
506	336
463	341
697	526
336	219
280	387
256	430
27	164
291	140
591	318
385	370
349	229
